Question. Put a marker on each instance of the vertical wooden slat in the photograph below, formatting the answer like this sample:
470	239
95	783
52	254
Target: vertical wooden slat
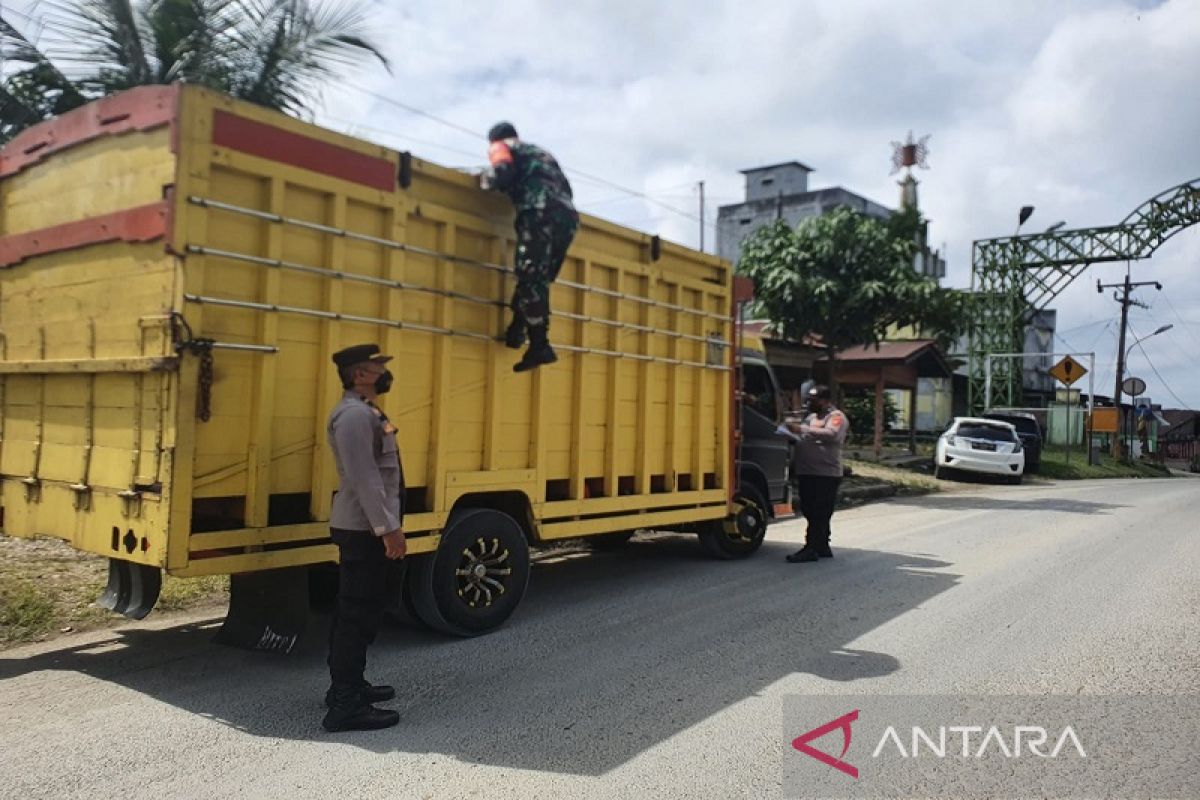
442	352
537	434
39	440
262	400
671	462
89	412
699	380
395	228
189	225
722	385
537	423
614	381
495	364
578	382
642	462
329	387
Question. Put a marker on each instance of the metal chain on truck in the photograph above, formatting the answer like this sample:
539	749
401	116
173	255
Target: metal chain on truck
197	346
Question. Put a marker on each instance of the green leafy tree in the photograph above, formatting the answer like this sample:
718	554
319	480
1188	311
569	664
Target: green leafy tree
859	407
847	279
276	53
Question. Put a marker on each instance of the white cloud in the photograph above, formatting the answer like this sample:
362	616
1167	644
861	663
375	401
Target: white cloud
1083	108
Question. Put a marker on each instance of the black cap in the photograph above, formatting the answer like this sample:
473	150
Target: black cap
359	354
502	130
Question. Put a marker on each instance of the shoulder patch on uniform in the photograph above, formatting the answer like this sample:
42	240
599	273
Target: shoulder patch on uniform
499	153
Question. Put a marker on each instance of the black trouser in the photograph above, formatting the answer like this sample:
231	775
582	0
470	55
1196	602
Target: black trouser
818	496
543	237
362	596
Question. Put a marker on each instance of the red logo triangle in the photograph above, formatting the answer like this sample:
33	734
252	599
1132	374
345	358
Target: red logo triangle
801	743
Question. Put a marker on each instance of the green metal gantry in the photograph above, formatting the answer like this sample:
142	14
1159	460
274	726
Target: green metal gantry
1016	276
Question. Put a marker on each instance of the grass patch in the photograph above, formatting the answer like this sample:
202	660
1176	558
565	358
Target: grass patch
25	612
179	594
48	588
1055	466
905	481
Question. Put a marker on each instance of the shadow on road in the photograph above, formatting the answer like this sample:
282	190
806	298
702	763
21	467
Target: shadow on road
974	502
610	654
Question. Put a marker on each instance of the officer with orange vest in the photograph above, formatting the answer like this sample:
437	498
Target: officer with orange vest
817	468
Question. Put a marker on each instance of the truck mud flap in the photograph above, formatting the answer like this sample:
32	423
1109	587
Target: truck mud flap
132	589
268	610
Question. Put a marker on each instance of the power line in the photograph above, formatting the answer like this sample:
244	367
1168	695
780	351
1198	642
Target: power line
1186	325
1091	324
1106	328
1157	374
474	134
353	126
418	112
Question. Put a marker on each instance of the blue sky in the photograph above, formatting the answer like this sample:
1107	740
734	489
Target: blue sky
1082	109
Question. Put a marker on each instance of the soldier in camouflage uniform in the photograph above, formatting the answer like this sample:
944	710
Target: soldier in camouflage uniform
546	224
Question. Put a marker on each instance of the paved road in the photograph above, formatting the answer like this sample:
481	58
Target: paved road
646	673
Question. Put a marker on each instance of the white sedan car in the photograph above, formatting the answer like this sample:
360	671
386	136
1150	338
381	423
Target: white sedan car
980	445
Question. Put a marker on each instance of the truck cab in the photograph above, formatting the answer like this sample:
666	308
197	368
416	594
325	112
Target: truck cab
764	456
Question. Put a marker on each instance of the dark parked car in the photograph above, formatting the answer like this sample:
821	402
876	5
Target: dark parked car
1030	432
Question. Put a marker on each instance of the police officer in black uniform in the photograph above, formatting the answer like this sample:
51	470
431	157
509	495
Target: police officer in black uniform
366	524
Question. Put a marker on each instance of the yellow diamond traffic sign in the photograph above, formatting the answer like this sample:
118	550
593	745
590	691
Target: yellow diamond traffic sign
1068	370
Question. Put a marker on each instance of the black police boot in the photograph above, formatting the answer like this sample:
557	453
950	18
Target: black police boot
366	692
824	550
804	555
349	712
539	352
514	337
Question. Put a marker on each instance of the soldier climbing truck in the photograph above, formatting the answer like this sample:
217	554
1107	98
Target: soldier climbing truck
176	269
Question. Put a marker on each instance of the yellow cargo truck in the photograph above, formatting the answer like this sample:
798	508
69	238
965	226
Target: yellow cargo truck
176	269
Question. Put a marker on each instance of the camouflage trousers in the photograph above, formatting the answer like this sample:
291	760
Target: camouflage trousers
543	237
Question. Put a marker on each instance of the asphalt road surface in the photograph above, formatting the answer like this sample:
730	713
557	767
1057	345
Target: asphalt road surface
649	672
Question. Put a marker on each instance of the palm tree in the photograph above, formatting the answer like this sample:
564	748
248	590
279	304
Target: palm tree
277	53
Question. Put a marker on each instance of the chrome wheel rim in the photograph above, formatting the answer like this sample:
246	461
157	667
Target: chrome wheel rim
483	572
749	521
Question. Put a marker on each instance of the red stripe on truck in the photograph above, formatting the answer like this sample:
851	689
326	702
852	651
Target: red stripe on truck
267	141
142	224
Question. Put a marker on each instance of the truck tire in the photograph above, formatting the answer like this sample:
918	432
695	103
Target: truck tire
750	525
477	577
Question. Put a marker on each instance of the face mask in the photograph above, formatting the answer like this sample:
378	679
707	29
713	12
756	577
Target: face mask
384	382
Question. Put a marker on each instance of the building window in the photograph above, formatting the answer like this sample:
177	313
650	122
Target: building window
746	220
767	181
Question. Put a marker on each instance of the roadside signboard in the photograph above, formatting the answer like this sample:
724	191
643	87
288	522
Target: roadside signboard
1068	371
1133	386
1104	420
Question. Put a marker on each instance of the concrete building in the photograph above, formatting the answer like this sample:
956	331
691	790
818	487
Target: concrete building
781	192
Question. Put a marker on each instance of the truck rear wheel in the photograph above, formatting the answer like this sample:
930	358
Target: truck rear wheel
477	577
743	533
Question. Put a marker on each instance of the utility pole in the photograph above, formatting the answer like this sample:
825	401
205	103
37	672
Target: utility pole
1126	301
701	216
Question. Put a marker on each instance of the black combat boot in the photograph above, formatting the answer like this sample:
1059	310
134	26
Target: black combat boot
805	555
366	692
514	337
349	712
539	352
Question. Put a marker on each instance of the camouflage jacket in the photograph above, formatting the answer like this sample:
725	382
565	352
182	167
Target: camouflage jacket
530	176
